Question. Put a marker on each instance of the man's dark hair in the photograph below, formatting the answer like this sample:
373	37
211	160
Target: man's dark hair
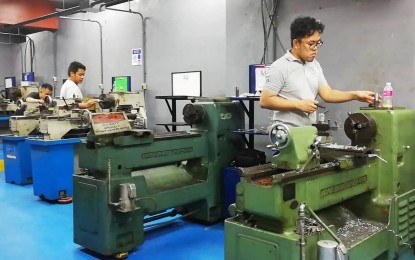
304	27
47	86
74	67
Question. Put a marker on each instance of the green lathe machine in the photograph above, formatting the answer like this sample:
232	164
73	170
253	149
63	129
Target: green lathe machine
132	173
321	200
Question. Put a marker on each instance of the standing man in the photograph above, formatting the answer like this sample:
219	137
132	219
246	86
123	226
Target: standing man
70	88
39	97
294	81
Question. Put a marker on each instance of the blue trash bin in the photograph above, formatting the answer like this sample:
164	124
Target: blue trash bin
1	158
17	163
52	167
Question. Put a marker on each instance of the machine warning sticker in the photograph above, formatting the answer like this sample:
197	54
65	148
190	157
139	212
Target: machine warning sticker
10	152
110	123
342	186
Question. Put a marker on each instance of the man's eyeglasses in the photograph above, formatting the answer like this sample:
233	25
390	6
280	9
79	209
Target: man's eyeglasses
315	45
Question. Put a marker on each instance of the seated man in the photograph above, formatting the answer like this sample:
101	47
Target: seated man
39	97
36	97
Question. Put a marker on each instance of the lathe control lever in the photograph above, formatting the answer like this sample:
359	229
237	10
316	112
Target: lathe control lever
128	193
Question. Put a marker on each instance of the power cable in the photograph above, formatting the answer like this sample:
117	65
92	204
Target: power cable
267	31
271	16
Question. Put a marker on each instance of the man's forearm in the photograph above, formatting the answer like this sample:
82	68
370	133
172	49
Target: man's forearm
337	96
277	103
32	100
84	105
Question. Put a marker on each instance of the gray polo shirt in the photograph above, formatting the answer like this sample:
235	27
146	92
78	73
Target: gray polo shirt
291	79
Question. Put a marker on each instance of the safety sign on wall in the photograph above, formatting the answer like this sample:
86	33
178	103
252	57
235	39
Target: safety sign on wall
137	57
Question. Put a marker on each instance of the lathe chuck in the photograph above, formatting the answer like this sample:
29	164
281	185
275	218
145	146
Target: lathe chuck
106	101
193	114
360	128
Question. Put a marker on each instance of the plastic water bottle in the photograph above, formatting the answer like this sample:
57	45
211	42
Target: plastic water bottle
387	96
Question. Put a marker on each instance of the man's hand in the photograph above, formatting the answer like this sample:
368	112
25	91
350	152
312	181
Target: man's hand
306	105
92	102
365	96
41	101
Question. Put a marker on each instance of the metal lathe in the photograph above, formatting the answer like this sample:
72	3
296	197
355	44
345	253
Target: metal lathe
321	200
130	173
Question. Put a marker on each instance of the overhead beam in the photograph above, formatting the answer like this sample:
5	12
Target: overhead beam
18	11
65	12
68	11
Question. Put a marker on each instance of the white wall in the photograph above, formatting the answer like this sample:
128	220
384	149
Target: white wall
182	35
6	61
366	43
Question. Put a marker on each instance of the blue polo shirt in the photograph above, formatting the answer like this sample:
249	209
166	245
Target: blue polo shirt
292	79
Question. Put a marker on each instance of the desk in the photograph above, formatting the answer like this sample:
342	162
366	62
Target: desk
250	112
172	109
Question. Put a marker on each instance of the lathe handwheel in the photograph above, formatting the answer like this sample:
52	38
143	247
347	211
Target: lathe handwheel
86	118
21	104
279	135
49	102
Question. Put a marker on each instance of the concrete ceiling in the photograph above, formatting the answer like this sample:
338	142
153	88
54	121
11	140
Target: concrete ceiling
64	4
63	7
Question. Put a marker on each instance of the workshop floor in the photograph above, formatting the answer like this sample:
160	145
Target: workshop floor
33	229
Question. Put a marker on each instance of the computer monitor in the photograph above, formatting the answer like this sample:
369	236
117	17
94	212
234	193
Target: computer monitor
257	74
10	82
28	76
188	83
121	84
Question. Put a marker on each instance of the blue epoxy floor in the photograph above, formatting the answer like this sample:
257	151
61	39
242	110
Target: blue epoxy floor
33	229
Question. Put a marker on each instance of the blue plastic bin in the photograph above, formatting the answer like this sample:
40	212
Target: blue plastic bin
17	163
53	167
1	158
230	179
